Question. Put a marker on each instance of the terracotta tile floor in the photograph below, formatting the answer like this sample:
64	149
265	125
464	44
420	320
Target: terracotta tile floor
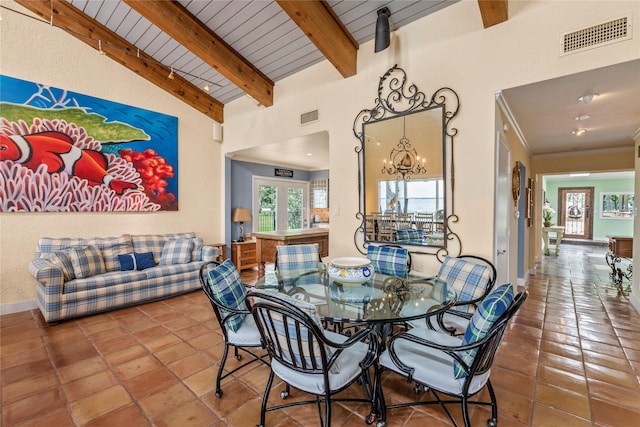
571	357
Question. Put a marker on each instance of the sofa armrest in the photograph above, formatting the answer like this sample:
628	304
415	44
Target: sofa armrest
46	272
210	253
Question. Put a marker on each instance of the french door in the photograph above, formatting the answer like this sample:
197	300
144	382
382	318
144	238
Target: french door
279	204
576	211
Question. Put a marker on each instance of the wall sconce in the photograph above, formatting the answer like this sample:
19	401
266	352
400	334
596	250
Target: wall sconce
383	35
241	215
404	159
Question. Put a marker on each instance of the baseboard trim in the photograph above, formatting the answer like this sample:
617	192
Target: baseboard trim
18	307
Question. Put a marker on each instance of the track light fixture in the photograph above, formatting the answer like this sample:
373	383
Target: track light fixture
171	76
383	35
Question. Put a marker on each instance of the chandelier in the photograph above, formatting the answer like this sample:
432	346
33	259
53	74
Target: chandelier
404	159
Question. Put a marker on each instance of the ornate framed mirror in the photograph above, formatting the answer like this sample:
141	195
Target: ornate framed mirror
405	168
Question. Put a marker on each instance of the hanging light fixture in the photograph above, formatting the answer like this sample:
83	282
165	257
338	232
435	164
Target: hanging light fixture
383	35
404	159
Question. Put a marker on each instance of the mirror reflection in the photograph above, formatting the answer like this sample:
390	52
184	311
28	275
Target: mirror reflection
404	179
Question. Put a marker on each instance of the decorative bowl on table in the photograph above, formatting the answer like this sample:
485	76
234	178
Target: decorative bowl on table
350	270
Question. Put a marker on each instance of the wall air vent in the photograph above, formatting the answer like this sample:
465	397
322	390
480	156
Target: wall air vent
310	117
612	31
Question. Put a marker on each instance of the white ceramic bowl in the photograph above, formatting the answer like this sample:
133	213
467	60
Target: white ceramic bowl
350	270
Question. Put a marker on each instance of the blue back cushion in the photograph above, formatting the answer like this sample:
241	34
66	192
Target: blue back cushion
488	312
409	235
229	291
469	277
389	260
300	339
298	257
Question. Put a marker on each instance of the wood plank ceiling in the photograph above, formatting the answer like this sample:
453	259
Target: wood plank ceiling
232	47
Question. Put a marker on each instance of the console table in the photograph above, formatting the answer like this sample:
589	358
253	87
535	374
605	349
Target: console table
620	259
621	246
268	242
559	230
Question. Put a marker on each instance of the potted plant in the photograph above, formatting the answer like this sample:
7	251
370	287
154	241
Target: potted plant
547	214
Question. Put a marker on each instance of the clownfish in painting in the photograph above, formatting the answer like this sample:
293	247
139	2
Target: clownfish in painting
57	152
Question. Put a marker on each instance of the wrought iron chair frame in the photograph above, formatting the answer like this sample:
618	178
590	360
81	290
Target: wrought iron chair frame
481	364
217	307
262	307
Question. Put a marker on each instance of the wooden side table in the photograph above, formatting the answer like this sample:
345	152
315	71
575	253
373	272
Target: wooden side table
223	250
244	254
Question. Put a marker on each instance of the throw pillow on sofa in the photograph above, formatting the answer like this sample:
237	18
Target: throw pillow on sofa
196	253
60	259
176	252
136	261
87	261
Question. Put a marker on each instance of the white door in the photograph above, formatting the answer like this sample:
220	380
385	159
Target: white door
279	204
502	208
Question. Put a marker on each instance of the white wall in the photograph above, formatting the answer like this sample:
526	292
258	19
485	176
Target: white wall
37	52
449	48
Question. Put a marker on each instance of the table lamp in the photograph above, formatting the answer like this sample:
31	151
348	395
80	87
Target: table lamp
241	215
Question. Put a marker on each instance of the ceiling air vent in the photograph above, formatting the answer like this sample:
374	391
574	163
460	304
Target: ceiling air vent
310	117
599	35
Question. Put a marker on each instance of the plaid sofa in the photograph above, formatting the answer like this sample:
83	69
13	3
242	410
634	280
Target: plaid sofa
78	276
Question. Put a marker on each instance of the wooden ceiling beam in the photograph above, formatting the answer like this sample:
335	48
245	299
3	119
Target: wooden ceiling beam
175	20
493	11
91	32
321	25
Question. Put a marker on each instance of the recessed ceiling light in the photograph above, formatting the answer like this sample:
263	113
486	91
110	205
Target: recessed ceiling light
583	117
578	132
587	98
309	154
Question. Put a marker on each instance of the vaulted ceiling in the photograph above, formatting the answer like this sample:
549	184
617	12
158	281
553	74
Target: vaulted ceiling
232	47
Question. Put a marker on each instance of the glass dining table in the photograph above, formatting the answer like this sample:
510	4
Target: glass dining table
381	300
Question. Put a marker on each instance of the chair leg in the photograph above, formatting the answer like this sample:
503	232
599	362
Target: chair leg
493	421
220	369
465	412
327	408
265	399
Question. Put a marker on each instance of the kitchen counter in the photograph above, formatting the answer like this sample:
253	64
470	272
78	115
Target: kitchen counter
268	242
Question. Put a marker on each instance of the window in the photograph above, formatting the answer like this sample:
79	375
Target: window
420	195
617	205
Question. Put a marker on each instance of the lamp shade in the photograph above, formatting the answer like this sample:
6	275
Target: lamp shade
241	215
383	36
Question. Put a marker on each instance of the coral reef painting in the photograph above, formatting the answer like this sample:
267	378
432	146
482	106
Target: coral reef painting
62	151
